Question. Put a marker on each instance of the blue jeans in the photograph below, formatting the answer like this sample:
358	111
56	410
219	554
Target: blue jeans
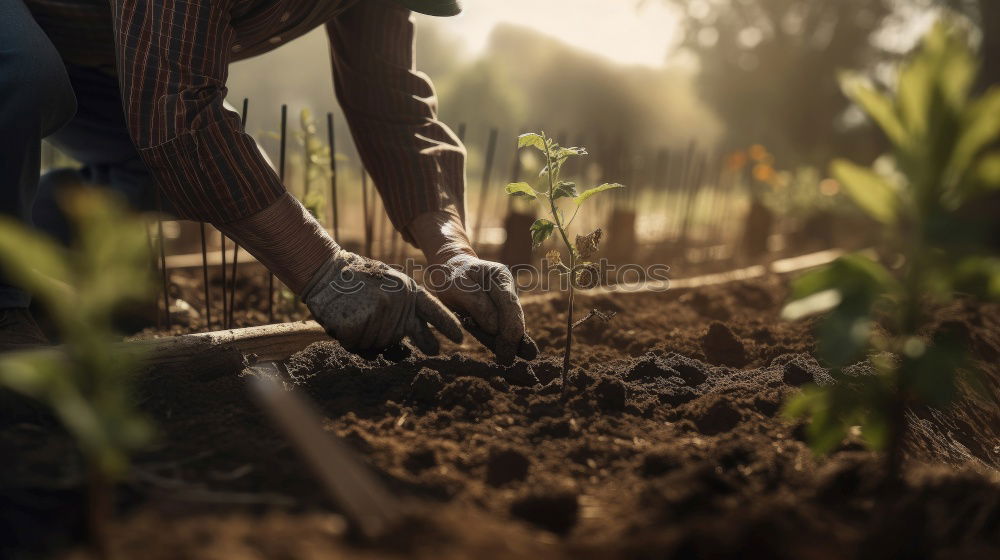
79	110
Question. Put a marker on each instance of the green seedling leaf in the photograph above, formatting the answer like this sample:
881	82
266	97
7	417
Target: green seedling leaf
563	153
871	192
596	190
541	230
521	189
531	140
565	189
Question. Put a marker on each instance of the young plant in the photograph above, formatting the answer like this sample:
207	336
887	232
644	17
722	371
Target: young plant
87	384
580	272
316	167
927	196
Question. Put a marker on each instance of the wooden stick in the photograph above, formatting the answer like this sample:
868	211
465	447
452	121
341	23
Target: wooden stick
368	506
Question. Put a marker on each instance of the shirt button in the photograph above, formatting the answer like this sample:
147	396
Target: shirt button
274	40
237	47
285	16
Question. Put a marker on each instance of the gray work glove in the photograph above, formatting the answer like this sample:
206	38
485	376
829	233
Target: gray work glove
484	294
370	307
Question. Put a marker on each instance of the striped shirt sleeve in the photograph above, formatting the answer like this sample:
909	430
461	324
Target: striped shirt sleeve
416	162
172	58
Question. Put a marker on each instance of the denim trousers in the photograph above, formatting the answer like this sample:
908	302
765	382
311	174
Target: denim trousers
79	111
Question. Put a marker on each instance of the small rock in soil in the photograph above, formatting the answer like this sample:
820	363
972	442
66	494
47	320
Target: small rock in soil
506	465
521	375
554	511
721	346
718	417
426	385
611	394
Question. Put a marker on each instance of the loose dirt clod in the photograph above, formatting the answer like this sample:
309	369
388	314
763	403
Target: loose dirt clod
718	417
506	465
721	346
611	394
552	510
426	385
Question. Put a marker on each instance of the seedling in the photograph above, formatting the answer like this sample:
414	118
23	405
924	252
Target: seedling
580	272
926	197
87	384
316	167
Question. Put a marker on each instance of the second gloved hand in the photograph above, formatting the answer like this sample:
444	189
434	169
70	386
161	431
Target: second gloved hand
370	307
485	293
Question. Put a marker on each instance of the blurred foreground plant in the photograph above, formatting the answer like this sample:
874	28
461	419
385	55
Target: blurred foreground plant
945	162
87	385
581	272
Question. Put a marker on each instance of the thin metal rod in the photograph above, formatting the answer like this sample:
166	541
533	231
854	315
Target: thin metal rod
163	259
225	287
204	271
461	132
491	148
236	245
154	264
364	210
331	139
281	175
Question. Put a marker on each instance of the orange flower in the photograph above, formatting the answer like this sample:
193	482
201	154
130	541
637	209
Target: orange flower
763	173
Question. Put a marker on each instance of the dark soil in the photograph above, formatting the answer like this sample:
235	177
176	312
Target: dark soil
668	444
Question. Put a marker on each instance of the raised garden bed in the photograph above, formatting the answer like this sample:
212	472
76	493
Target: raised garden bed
669	444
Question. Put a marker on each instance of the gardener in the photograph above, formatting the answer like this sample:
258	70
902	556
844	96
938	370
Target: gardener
68	68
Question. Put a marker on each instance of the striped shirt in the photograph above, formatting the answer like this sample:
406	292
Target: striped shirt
172	59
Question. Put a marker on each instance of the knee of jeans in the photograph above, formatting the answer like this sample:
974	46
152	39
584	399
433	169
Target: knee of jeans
38	89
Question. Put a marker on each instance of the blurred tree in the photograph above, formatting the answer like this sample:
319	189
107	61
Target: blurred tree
527	80
769	67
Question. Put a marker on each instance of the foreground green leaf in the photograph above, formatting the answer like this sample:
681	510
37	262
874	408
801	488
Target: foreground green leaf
868	190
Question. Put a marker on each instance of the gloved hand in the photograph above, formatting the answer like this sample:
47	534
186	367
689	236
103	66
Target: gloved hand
483	292
370	307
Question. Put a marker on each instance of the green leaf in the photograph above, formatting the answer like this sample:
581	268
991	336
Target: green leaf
521	189
988	171
540	231
877	106
563	153
871	192
981	127
531	140
565	189
914	92
598	189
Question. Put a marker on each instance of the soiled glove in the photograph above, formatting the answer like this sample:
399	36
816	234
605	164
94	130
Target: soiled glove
370	307
484	292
